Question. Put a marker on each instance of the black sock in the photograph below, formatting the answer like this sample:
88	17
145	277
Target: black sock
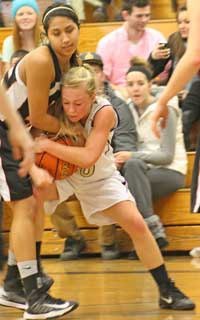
12	273
30	283
160	275
2	257
38	250
29	274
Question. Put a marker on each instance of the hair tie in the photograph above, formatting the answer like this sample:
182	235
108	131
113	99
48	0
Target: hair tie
55	9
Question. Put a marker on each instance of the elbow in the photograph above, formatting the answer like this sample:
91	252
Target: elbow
194	58
35	122
196	62
168	159
87	162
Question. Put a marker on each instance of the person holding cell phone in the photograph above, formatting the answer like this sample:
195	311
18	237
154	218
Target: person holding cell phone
170	53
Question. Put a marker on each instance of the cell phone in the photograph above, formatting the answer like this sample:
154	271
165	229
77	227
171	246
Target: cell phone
164	45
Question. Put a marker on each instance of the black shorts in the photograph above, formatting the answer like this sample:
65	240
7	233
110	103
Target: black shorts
12	186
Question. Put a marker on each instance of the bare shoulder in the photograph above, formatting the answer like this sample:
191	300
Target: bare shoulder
38	61
38	58
106	116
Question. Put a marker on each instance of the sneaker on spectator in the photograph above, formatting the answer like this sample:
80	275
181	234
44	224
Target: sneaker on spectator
195	252
110	252
12	293
172	298
133	255
72	249
42	306
162	242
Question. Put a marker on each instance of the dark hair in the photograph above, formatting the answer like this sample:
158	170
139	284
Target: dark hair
19	54
176	42
181	9
176	6
141	65
128	5
61	10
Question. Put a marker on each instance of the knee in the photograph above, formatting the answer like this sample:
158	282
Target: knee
139	227
133	165
25	209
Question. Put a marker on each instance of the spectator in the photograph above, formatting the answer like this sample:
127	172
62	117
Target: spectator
26	29
170	53
78	6
158	167
2	24
191	113
124	137
160	58
16	56
132	39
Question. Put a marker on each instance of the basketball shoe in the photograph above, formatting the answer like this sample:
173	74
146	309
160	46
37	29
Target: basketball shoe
12	293
43	306
172	298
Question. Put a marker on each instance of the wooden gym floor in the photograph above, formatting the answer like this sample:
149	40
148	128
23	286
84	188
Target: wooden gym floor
117	290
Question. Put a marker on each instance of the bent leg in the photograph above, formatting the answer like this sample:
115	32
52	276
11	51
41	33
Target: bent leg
128	217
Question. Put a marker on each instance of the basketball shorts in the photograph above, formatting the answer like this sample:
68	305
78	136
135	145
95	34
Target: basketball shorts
12	186
94	196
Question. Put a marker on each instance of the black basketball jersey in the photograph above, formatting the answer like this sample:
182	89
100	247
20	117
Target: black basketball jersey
17	90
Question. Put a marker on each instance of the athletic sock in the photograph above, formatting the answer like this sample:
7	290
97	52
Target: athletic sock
28	272
12	270
38	251
160	275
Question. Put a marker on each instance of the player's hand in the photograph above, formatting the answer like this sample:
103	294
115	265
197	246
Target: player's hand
159	119
41	178
40	143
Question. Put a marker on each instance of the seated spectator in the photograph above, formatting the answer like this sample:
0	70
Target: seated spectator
16	56
132	39
79	7
124	137
158	167
191	113
2	24
26	29
165	57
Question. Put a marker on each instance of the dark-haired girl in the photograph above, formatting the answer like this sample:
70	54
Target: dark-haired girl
33	86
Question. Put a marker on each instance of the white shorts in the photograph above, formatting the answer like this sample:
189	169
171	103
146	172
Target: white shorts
94	196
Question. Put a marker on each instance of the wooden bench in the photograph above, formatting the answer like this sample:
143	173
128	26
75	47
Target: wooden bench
182	227
91	33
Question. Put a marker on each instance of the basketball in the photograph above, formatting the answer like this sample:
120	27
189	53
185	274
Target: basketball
59	169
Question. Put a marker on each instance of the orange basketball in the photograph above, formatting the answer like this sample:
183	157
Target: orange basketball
59	169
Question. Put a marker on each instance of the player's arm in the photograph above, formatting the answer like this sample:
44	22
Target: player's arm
187	67
86	156
38	74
